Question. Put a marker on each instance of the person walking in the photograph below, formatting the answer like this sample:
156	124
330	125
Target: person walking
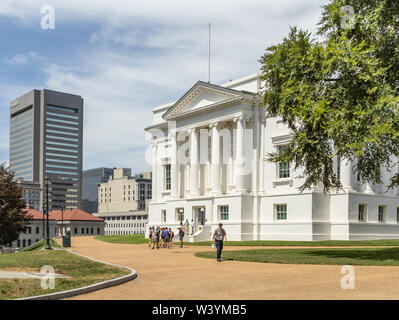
150	236
155	238
166	238
171	234
218	237
192	226
181	235
162	240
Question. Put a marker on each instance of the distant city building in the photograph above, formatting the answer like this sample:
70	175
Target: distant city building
46	140
90	181
77	223
31	193
74	222
124	193
123	223
35	231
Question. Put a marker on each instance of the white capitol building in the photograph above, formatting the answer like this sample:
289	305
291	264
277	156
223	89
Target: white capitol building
209	164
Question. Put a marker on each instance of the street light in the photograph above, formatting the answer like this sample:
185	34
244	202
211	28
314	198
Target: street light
48	247
43	208
62	220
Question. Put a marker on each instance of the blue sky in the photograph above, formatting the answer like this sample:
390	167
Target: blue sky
126	57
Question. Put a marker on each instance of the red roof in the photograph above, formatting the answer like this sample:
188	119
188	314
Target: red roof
36	215
74	215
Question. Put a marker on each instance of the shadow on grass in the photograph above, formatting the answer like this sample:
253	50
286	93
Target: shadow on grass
378	255
366	257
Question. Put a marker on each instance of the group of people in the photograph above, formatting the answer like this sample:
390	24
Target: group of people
162	237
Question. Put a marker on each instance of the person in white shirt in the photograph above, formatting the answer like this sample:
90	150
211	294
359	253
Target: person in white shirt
192	226
218	237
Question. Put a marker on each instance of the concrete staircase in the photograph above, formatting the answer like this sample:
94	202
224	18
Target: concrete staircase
203	234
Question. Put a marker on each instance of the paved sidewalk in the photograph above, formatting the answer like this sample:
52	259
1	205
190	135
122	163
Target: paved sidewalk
177	274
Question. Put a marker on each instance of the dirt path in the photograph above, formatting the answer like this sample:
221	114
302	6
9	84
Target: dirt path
177	274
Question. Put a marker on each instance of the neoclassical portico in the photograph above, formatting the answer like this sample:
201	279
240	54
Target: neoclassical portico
224	143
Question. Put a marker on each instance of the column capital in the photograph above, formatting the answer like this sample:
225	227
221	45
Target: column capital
240	118
191	130
263	118
215	124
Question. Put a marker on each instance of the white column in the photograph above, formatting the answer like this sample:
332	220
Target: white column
262	154
194	162
346	174
174	190
239	167
154	170
255	147
231	166
215	159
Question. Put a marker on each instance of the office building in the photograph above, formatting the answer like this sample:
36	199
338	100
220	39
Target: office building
124	192
90	182
31	193
124	223
46	141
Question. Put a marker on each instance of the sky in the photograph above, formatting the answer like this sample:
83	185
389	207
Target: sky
127	57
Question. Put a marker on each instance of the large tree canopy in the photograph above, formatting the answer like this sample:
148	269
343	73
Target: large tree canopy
13	217
339	92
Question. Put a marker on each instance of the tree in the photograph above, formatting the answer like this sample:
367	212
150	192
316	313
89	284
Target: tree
13	218
339	93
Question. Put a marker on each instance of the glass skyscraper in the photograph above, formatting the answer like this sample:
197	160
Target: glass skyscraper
46	141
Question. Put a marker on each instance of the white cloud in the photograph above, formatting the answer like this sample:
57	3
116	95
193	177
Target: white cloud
23	58
144	53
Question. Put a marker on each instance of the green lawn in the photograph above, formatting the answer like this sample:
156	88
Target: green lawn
82	271
124	239
361	256
42	244
139	239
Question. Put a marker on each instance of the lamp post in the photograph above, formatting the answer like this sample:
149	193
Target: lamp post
62	220
48	247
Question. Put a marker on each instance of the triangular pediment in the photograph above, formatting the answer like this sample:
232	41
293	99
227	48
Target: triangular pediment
201	96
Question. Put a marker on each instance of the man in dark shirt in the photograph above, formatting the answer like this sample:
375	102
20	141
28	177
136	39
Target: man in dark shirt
218	237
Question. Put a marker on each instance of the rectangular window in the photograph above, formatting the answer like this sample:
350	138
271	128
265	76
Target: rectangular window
224	212
167	177
280	211
362	212
381	213
180	214
283	167
163	216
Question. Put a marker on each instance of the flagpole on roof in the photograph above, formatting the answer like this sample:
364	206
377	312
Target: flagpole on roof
209	54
